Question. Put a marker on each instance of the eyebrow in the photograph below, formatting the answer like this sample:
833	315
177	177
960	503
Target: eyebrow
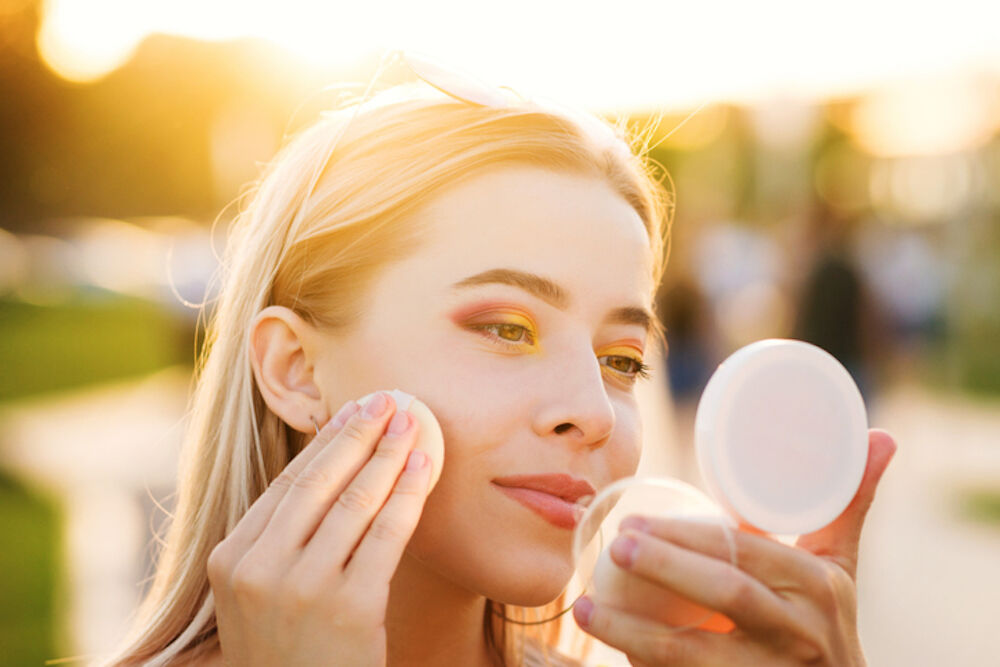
554	295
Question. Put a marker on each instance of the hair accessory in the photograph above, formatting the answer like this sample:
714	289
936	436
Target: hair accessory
454	83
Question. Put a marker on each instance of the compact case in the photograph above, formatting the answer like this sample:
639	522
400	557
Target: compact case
781	435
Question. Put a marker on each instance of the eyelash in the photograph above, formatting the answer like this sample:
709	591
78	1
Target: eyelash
495	336
641	371
489	331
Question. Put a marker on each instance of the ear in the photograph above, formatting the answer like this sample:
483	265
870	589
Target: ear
283	366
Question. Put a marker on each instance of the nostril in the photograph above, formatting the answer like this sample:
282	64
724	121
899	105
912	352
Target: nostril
562	428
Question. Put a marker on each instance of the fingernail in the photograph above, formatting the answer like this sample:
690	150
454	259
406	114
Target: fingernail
583	611
416	460
636	523
344	414
375	407
400	422
623	550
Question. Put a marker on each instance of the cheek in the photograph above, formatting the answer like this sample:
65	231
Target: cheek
479	398
393	356
623	452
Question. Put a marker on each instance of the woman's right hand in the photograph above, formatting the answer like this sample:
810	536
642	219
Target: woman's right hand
304	577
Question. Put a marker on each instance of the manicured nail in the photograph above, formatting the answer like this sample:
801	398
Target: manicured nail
344	414
416	460
375	407
623	550
400	422
583	611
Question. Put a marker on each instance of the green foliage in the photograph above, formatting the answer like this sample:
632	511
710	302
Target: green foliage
86	340
979	363
30	575
982	505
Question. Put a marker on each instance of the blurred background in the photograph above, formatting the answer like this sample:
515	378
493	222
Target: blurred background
839	183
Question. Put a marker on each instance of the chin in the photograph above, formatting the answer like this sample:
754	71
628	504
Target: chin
518	562
530	598
536	580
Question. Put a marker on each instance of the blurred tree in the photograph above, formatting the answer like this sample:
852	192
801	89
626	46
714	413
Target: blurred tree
136	143
29	585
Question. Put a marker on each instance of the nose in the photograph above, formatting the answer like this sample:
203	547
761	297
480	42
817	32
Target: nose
576	408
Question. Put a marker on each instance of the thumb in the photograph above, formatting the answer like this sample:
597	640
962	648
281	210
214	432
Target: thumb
839	540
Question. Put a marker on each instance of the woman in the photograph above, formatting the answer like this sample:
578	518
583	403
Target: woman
498	262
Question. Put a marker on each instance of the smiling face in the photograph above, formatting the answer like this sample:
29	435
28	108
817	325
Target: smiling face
521	321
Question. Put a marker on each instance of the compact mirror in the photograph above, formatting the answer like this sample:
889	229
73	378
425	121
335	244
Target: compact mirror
609	584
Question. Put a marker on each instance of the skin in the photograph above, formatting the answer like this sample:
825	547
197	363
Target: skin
346	559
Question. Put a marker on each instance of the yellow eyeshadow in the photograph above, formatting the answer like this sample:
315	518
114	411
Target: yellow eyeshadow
502	317
623	351
510	318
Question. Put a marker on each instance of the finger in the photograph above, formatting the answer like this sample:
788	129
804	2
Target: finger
839	540
648	642
311	493
253	522
354	509
707	581
375	560
776	565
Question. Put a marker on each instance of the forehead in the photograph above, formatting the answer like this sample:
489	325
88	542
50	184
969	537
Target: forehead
571	228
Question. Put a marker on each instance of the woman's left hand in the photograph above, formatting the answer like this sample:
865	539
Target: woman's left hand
789	605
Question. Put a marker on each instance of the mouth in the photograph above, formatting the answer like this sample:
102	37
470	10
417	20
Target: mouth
558	498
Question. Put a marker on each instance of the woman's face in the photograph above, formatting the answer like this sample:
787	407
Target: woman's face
519	322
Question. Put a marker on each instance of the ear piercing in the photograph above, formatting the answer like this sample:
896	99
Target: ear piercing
315	424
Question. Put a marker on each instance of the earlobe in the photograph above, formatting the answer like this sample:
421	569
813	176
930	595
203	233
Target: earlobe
283	367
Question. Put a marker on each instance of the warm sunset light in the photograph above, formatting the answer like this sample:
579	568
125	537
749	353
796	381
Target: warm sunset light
937	116
645	54
222	219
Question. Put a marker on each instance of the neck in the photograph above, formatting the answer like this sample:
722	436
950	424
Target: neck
431	621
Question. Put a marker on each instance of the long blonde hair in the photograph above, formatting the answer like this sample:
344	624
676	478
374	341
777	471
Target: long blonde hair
316	253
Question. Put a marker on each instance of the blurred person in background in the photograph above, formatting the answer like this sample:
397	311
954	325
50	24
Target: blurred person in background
499	262
835	305
690	357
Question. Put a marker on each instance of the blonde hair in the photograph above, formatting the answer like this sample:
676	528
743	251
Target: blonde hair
316	252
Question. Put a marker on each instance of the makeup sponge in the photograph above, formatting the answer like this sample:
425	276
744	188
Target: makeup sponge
430	440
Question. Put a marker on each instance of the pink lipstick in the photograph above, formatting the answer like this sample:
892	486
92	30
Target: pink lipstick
558	498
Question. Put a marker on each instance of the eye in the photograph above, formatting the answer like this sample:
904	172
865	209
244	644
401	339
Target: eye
627	368
506	333
511	332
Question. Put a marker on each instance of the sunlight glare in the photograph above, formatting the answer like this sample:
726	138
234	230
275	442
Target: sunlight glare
643	55
83	42
927	117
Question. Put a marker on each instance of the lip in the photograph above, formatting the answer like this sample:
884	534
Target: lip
554	497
